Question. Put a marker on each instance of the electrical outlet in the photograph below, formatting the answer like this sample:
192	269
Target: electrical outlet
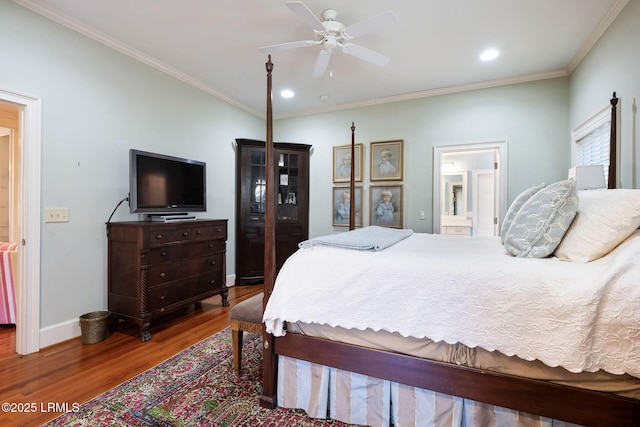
57	215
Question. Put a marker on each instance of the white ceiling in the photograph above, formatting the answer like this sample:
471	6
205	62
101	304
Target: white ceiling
434	47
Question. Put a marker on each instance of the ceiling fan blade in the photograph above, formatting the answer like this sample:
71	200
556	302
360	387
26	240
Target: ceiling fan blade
306	15
321	63
374	23
290	45
365	54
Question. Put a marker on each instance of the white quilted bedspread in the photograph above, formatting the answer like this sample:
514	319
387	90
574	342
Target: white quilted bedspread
582	316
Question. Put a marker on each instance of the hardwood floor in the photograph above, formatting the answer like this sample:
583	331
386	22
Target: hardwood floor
71	372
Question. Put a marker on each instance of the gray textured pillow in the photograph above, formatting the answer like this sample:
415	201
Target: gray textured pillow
515	208
538	227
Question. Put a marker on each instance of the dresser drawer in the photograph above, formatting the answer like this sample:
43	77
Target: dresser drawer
197	287
457	230
211	232
172	253
193	231
168	272
169	235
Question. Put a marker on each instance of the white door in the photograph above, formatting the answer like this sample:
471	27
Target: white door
484	201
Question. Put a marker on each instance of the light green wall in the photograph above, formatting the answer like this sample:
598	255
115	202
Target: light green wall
96	105
532	117
613	65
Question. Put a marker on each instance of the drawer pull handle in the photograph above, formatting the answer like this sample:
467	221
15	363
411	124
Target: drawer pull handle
163	274
213	282
162	298
213	263
210	245
185	234
163	253
159	236
198	232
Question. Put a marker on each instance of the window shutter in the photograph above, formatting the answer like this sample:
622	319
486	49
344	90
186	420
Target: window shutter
592	143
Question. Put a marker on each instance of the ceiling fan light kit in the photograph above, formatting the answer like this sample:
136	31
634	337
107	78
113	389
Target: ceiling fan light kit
331	34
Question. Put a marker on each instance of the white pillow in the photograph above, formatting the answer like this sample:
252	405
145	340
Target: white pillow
605	218
539	226
515	207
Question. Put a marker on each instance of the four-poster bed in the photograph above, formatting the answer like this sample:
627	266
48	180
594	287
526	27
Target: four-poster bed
533	396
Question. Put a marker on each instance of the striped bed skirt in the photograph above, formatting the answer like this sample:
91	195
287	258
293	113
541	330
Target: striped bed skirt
8	263
325	392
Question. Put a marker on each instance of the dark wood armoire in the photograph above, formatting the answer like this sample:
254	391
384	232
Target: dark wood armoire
292	215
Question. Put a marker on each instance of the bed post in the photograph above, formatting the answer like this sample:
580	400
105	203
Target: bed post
352	189
269	366
613	142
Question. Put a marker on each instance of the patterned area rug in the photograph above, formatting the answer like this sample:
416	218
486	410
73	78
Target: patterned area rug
196	387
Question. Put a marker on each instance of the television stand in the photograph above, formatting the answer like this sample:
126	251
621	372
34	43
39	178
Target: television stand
155	268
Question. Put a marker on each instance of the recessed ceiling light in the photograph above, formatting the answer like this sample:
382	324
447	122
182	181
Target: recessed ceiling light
287	93
324	98
489	54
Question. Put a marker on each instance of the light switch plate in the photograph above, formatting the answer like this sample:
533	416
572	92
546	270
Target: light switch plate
56	215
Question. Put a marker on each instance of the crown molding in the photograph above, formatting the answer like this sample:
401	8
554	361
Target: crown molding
611	15
428	93
131	52
74	25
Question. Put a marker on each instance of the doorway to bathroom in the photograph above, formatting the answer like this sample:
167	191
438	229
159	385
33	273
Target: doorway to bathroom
469	188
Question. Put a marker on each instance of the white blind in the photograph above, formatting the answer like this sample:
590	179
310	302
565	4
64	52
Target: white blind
593	148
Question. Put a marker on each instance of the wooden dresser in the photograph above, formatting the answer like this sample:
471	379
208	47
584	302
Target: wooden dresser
155	267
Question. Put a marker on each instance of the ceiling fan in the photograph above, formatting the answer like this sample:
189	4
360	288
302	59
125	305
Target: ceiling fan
331	34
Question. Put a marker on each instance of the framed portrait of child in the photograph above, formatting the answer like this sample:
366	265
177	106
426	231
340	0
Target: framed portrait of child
387	160
342	163
385	206
342	203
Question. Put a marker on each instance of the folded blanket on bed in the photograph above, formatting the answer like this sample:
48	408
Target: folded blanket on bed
372	238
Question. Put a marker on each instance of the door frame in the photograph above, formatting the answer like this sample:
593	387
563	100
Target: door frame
29	208
499	147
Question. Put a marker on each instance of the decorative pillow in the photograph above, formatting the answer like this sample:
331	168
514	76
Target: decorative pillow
515	207
538	228
605	219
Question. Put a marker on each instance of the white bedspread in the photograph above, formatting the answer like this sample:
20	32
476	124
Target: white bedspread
584	317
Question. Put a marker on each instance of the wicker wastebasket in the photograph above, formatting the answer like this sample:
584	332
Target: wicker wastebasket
94	327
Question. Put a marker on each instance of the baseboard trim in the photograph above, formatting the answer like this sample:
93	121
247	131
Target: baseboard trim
60	332
70	329
230	280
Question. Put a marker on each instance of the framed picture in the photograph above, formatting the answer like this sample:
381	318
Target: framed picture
341	203
387	160
342	162
386	206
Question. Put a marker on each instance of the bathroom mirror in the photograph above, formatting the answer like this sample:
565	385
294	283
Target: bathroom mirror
454	193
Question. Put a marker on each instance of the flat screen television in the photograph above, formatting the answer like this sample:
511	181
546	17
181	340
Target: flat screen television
161	184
